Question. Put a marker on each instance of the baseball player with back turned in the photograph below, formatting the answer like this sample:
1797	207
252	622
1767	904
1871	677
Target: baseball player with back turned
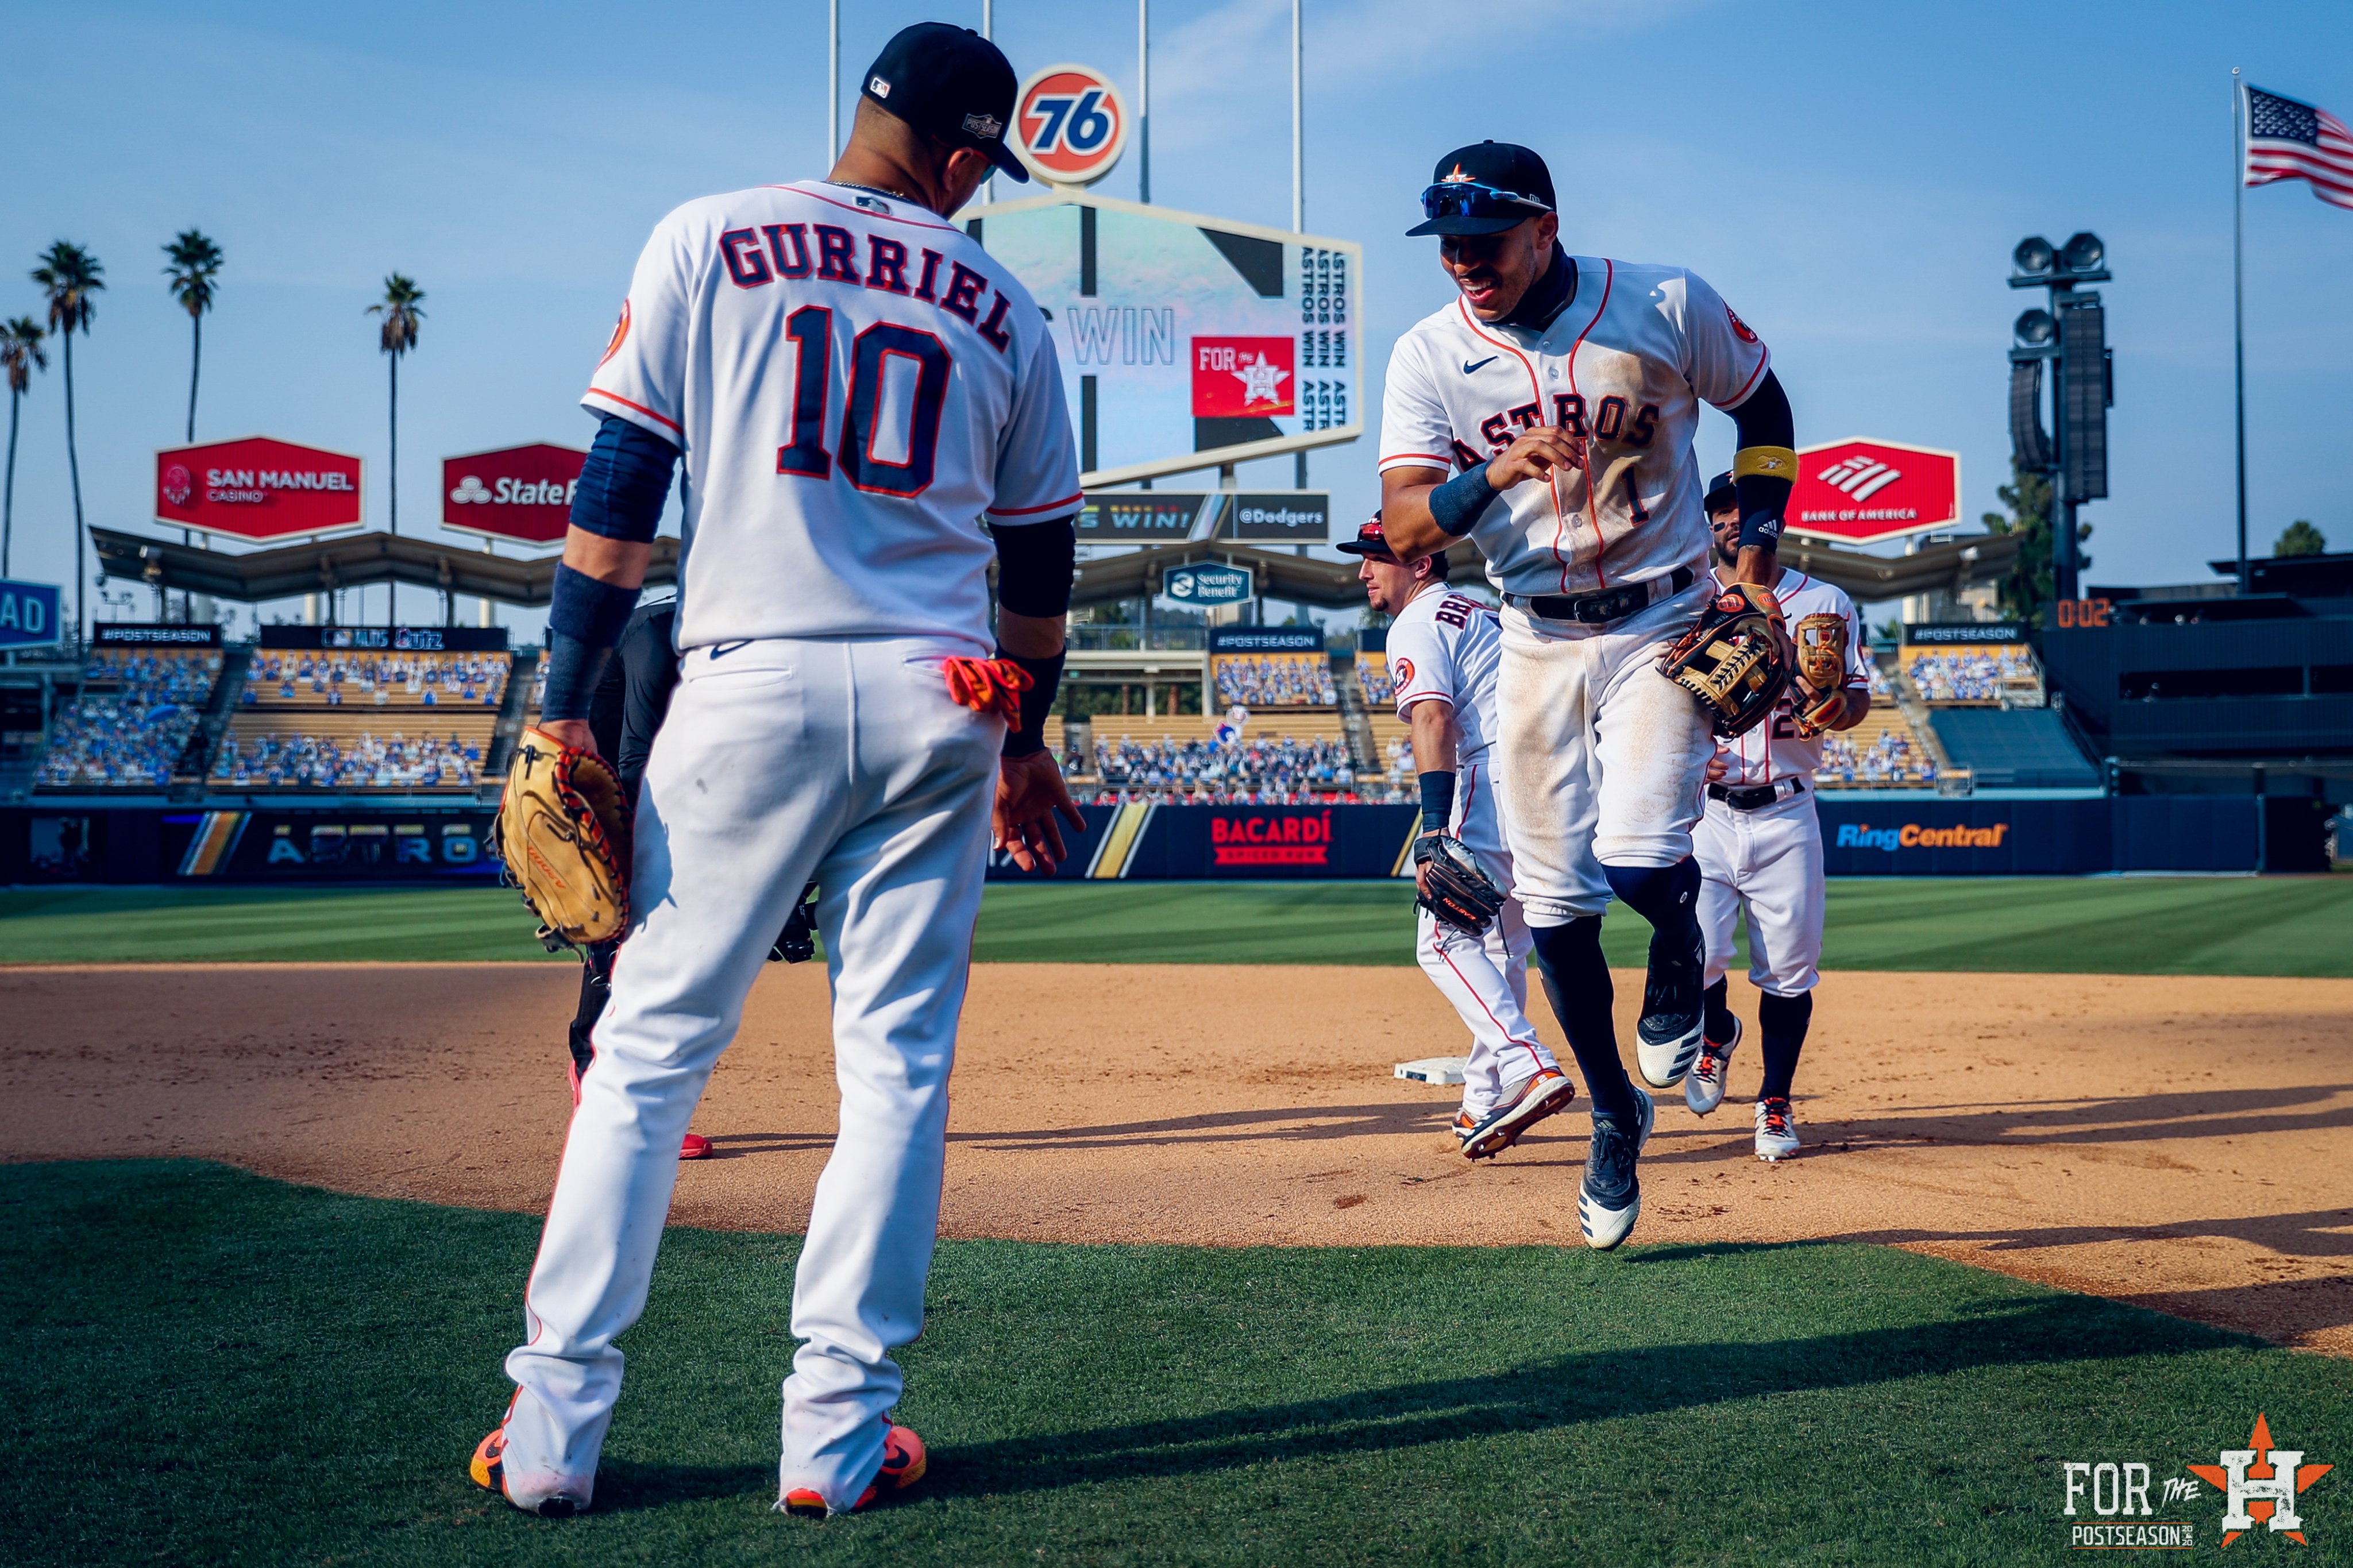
1761	843
1560	393
1443	650
854	384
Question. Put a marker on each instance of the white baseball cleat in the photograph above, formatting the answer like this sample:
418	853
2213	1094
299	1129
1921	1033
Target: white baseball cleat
1609	1200
1674	1022
1703	1089
1776	1131
1541	1094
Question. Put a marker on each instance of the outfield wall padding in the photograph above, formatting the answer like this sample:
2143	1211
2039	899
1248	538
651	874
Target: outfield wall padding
450	843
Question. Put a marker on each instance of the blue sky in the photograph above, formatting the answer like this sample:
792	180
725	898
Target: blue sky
1851	176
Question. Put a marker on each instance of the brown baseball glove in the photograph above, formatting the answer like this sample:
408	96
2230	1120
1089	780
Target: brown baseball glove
563	833
1731	659
1821	663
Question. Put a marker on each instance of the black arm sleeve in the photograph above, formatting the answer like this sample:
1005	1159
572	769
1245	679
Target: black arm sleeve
1034	565
650	666
1764	420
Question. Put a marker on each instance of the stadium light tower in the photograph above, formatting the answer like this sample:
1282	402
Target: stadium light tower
2072	337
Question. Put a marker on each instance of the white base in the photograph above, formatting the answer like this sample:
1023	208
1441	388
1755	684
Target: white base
1435	1069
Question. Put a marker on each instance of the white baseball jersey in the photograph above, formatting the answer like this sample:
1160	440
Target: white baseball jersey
855	383
1624	366
1773	750
1448	644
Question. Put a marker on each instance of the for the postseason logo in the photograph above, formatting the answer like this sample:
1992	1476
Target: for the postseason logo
2109	1504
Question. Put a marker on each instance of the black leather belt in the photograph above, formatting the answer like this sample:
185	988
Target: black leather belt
1758	799
1609	605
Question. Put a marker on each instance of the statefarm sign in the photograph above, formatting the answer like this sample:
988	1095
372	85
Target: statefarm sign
256	487
1856	491
522	493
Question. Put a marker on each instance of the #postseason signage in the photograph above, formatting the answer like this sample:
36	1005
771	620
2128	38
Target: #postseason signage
522	493
1858	492
256	487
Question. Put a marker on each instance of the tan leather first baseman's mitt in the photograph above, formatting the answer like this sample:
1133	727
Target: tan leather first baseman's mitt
1731	659
564	835
1821	661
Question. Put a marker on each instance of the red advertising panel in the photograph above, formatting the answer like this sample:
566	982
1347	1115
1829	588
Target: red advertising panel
522	493
256	487
1234	377
1856	491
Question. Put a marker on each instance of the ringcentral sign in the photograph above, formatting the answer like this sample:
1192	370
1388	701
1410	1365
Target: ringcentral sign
256	487
522	493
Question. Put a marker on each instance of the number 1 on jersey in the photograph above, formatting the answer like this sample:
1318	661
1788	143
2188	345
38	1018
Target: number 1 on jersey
810	327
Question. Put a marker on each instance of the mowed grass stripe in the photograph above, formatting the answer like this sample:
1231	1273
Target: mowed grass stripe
2287	926
213	1367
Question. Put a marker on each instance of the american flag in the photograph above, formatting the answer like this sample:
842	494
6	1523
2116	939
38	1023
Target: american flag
2292	141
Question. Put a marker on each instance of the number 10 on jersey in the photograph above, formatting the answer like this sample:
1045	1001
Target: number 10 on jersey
926	359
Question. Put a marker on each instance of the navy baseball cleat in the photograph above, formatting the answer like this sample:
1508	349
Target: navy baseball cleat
1610	1200
1674	1020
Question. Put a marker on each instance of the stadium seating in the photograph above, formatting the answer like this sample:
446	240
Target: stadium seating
131	719
1180	760
331	719
1986	674
288	678
1881	750
1273	680
2026	748
1373	679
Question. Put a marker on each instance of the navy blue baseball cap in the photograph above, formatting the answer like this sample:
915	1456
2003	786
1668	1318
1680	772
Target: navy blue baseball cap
1485	188
1721	493
1369	541
951	83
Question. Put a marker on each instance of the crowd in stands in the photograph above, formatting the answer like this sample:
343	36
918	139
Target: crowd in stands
320	762
1373	680
131	737
430	678
1297	681
1891	758
1968	677
1282	771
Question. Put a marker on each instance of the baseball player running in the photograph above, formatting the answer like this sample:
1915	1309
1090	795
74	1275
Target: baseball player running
1443	650
1560	394
1759	844
853	383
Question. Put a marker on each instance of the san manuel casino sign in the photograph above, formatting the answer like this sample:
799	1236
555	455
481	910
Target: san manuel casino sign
256	487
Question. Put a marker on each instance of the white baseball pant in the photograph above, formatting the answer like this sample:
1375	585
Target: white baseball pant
1485	976
1769	862
779	761
1602	758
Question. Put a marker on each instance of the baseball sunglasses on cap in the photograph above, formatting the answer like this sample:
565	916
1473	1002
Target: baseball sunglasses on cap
1468	198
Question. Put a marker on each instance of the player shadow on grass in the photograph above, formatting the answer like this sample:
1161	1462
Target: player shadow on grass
1568	1391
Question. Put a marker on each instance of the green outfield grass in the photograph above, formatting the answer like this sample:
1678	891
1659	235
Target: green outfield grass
2280	925
209	1367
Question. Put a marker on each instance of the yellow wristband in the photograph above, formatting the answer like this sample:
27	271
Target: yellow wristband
1764	462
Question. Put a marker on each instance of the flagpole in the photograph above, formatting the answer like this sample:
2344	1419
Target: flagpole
2239	296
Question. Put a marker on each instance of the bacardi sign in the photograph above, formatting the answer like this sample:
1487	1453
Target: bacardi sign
1857	491
522	493
256	487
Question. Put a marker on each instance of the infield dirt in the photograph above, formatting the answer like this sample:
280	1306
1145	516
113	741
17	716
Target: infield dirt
2183	1144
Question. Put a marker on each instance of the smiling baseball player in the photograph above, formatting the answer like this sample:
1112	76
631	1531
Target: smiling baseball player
1443	650
854	384
1759	844
1561	393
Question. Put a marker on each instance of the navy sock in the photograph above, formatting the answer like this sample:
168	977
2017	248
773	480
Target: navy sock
1719	1013
1576	979
1667	896
1782	1020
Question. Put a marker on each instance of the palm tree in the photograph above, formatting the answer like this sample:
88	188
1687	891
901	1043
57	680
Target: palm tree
398	336
21	355
69	276
195	262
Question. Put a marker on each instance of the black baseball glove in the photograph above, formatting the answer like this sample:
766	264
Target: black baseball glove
796	943
1732	660
1459	893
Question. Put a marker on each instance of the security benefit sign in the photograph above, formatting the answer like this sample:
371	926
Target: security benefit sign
256	487
522	493
28	613
1180	334
1209	584
1857	491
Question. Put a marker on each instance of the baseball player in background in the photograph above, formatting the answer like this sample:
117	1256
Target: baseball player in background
1443	651
1546	413
854	386
1759	845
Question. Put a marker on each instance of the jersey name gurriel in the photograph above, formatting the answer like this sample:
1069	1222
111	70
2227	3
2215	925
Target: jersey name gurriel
1449	646
856	385
1624	369
1773	750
